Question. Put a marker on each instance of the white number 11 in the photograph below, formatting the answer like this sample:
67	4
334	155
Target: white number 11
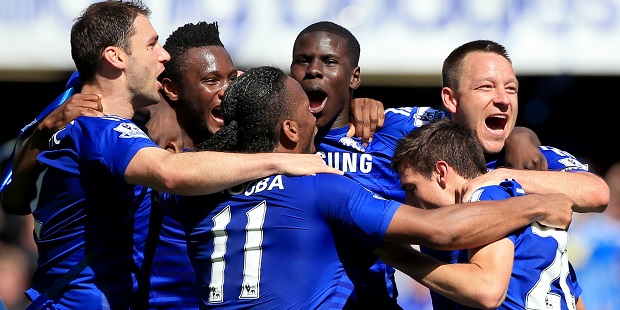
253	252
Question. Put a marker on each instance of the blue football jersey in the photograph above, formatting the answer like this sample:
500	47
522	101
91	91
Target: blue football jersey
282	242
557	160
542	277
370	166
84	207
172	278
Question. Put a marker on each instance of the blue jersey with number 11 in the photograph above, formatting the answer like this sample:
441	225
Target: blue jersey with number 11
282	242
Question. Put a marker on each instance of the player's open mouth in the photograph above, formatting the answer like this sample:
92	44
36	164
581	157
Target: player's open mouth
216	113
318	99
496	122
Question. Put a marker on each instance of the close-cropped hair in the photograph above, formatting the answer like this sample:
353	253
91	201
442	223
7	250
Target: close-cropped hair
103	24
182	40
442	140
353	46
254	107
452	65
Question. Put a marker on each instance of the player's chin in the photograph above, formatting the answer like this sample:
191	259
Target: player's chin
493	146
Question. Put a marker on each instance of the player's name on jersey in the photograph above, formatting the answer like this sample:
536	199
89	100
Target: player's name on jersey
348	162
257	186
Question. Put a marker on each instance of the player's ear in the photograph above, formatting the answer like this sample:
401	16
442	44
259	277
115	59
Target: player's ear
289	132
448	97
170	89
442	171
115	56
356	78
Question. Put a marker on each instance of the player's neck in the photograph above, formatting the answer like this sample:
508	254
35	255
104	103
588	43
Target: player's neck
112	102
342	120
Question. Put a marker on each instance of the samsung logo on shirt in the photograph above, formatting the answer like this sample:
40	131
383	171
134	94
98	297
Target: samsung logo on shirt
348	162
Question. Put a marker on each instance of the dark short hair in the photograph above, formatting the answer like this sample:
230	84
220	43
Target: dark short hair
353	46
103	24
254	105
440	140
452	65
184	38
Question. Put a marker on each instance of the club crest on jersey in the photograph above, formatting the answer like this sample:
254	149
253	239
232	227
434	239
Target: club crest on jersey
427	115
350	142
129	130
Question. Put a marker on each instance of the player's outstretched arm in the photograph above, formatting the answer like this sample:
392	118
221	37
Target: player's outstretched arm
202	173
588	190
473	224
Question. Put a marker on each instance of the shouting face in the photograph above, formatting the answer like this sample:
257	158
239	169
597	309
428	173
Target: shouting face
486	99
322	65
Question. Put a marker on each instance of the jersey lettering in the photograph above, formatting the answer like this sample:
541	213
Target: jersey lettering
257	186
348	162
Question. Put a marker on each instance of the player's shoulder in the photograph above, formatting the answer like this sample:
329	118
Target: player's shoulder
326	183
419	115
100	119
122	127
325	177
101	122
507	188
108	132
86	126
512	187
560	160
